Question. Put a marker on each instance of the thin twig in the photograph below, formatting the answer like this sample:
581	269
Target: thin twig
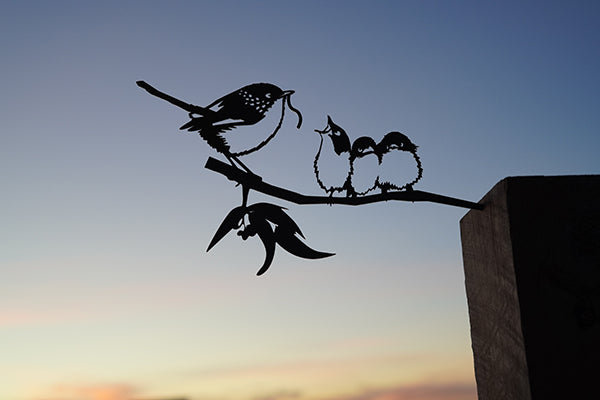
191	108
255	182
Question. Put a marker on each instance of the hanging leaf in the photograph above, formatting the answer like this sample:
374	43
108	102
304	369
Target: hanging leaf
231	221
290	243
265	233
276	215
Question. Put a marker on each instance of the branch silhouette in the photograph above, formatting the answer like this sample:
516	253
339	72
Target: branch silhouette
191	108
255	182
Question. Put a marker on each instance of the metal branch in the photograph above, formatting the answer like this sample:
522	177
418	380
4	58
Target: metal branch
255	182
191	108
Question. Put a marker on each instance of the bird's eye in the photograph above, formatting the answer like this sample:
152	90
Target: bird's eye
268	95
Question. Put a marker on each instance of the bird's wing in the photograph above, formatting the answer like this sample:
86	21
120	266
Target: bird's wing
222	128
219	102
230	100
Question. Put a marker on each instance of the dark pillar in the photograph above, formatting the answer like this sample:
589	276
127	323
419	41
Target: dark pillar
532	276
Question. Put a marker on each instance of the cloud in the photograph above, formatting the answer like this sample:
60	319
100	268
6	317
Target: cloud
59	304
452	391
309	366
20	317
281	395
116	391
359	378
121	391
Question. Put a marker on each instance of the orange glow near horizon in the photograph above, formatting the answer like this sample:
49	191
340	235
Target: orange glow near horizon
450	391
456	391
376	378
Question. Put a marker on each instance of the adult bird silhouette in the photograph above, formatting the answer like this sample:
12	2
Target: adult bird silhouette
245	106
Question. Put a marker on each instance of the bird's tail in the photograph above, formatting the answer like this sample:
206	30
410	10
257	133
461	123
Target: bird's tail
195	124
210	133
213	137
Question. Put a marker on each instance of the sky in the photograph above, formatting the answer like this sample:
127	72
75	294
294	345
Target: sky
107	291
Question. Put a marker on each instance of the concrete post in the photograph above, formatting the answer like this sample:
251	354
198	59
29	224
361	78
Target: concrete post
532	276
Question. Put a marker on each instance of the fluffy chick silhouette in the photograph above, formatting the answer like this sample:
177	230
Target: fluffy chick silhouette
364	165
333	170
399	164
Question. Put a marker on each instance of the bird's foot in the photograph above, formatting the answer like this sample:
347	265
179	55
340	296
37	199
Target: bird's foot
330	202
250	177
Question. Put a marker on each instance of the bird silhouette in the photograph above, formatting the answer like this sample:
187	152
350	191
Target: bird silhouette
333	173
364	163
342	170
400	165
361	166
245	106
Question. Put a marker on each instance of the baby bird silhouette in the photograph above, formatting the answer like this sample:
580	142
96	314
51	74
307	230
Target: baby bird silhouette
333	173
364	163
399	164
361	166
245	106
338	174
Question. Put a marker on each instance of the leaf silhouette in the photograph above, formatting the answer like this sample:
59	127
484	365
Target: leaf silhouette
231	221
276	215
266	235
295	246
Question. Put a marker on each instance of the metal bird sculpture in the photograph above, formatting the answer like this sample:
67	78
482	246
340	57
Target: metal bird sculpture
245	106
356	168
400	165
363	165
333	173
363	160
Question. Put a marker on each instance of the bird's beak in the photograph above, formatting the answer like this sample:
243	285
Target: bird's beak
327	128
288	93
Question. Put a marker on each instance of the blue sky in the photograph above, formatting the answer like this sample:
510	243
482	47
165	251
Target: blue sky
107	292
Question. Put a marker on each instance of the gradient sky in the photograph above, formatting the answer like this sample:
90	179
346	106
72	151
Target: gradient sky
107	292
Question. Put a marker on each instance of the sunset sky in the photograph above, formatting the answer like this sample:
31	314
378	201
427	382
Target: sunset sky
107	292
